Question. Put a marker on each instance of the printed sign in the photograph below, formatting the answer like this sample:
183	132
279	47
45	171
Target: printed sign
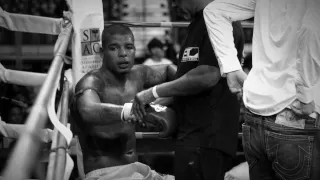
90	48
90	41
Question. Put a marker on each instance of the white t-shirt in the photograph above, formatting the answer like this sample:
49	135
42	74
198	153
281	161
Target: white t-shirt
151	62
285	50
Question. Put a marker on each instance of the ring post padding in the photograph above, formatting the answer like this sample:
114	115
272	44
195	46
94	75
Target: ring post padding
88	23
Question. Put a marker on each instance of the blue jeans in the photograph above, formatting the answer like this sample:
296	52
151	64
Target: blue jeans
274	151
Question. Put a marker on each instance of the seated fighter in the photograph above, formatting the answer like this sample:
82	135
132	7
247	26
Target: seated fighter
101	107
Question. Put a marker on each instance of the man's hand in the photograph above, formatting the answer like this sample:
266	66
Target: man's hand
235	81
302	109
2	73
140	100
127	116
67	17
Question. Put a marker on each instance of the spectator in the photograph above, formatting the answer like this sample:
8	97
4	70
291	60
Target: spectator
281	92
157	53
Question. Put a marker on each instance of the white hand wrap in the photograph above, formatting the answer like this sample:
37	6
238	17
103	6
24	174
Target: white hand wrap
126	111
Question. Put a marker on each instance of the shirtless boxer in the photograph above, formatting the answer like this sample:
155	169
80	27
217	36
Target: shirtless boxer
101	105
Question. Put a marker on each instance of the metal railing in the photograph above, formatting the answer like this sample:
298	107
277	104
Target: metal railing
57	160
164	24
23	158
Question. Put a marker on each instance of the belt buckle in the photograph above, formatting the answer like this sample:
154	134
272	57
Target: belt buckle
289	119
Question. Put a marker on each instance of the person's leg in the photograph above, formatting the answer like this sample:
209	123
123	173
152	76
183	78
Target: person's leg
214	164
253	139
186	163
196	163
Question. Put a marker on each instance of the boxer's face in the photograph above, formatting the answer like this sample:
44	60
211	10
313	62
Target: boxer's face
119	53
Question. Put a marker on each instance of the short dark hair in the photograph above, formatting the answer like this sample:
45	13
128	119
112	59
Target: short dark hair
115	29
155	43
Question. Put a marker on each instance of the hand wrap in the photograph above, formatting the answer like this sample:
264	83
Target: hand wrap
126	112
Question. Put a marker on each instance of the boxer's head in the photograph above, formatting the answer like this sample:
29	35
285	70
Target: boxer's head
188	8
118	50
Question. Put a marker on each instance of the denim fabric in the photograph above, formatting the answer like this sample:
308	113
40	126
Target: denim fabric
275	151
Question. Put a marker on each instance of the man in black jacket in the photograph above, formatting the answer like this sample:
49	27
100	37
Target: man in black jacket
207	111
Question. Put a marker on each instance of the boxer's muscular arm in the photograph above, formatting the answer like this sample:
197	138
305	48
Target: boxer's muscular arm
89	105
94	112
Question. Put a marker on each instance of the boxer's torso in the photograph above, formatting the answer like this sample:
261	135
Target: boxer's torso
113	144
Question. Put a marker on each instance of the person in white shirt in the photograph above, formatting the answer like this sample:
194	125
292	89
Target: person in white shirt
157	53
281	133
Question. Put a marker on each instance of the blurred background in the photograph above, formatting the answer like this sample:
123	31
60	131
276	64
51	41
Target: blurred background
33	52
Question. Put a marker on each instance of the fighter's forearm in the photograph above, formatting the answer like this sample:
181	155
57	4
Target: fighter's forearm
101	113
197	80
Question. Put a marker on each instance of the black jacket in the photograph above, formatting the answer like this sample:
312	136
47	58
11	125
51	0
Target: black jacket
208	119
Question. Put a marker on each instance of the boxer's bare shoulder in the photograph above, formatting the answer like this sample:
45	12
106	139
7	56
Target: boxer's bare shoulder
153	75
89	81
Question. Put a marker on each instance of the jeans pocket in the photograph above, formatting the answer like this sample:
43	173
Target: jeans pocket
290	155
246	143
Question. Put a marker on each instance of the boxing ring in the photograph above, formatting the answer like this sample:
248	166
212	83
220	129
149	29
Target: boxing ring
23	159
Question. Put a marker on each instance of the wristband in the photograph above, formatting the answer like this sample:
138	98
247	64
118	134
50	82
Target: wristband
154	92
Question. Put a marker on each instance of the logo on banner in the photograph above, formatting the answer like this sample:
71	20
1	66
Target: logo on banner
190	54
90	41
